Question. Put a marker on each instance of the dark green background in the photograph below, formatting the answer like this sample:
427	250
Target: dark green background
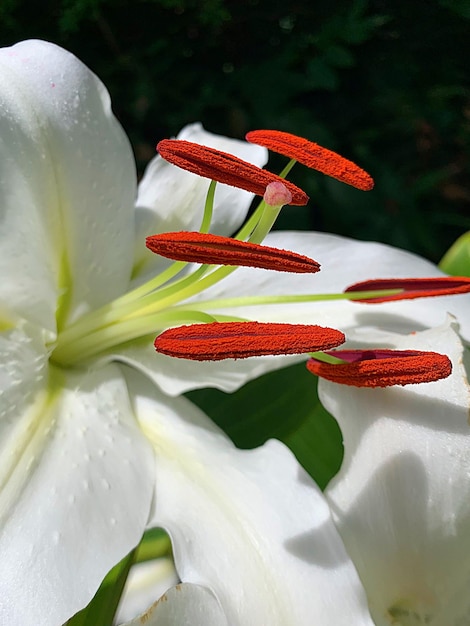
383	82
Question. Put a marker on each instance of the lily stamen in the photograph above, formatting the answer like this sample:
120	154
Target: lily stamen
195	247
312	155
224	168
412	288
240	340
382	368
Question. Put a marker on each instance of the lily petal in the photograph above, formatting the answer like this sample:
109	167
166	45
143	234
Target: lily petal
400	500
146	581
249	525
183	604
171	199
176	376
71	455
67	185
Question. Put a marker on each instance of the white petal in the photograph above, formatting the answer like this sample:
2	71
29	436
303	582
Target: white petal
343	262
171	199
401	499
146	581
249	525
76	477
176	376
183	605
67	184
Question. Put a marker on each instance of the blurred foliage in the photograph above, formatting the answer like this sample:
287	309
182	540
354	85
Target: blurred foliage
384	82
456	260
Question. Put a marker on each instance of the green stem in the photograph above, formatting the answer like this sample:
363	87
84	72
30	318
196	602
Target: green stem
327	358
208	208
69	353
250	225
292	299
266	222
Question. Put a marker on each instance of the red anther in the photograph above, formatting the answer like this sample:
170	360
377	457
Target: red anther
198	247
382	368
239	340
413	287
224	168
314	156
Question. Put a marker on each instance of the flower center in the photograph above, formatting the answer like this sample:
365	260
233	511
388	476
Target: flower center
167	300
159	303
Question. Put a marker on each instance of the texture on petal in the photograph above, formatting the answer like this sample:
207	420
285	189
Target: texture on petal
171	199
183	605
67	183
401	499
76	479
251	526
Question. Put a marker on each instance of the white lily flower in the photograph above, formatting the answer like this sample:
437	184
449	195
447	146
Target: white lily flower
401	498
93	452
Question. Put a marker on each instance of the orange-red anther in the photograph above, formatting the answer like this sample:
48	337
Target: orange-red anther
198	247
314	156
224	168
413	287
382	368
239	340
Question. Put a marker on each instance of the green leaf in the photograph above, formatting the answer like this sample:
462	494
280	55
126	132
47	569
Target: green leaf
102	608
283	404
155	544
456	261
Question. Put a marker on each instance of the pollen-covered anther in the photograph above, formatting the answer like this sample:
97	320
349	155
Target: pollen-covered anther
382	368
196	247
239	340
314	156
224	168
412	288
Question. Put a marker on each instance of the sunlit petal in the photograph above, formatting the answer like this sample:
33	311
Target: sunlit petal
76	478
67	185
183	604
146	582
176	376
401	498
249	525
